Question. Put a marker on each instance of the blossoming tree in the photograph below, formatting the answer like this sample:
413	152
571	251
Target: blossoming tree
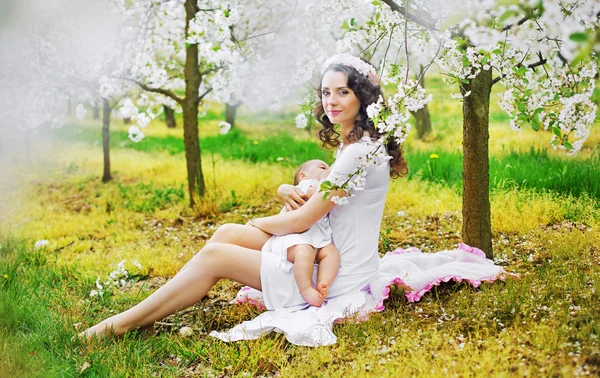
71	54
224	51
538	50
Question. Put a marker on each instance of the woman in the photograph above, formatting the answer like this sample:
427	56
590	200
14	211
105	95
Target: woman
234	251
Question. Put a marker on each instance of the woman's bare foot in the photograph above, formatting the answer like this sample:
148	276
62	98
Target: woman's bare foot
102	329
323	289
312	296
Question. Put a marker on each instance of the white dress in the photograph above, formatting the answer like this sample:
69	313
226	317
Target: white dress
355	233
364	279
318	235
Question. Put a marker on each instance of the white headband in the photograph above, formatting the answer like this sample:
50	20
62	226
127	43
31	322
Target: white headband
350	60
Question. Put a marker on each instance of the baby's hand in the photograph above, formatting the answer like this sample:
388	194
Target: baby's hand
291	196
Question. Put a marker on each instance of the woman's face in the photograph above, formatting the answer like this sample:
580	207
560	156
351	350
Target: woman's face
340	103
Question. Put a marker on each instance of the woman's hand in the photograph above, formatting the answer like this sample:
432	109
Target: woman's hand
291	196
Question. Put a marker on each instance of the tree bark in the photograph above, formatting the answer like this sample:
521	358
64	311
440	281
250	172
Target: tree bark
169	117
476	228
230	112
106	177
422	118
422	122
190	111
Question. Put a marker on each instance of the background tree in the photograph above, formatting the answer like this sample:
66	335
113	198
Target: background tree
223	51
519	45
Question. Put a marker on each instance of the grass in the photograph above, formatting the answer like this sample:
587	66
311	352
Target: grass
545	220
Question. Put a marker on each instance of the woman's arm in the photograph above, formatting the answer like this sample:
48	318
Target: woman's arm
299	220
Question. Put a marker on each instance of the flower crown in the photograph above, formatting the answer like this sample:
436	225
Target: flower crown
350	60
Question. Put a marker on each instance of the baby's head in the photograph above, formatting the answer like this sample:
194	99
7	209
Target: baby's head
313	170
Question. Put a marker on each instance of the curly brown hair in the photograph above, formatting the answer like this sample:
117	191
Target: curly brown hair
367	93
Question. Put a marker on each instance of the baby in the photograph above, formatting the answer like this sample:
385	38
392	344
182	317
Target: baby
312	245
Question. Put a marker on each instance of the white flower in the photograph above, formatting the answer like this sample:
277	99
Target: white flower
280	158
135	134
93	293
373	109
137	264
127	109
143	120
301	121
41	243
224	127
339	201
186	331
80	112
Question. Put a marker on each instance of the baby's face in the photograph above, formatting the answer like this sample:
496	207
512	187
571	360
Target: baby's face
316	170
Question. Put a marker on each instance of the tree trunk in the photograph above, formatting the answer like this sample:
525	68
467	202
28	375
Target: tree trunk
422	118
190	111
169	117
106	139
423	122
230	111
476	229
96	112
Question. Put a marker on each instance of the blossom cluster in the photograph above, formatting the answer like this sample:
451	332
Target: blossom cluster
391	116
119	279
356	180
561	103
539	51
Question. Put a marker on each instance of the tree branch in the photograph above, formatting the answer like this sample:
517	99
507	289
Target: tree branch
429	24
165	92
276	29
541	62
519	23
207	71
204	94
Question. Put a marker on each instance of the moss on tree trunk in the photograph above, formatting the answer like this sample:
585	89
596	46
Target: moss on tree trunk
476	229
193	78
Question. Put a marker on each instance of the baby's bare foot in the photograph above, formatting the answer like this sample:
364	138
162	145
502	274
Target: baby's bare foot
323	289
312	296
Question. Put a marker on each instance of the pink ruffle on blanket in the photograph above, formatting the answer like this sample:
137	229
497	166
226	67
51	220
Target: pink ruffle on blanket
416	272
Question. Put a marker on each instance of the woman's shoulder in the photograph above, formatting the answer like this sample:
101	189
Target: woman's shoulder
360	147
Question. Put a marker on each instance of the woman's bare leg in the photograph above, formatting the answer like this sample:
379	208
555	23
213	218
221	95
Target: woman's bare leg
303	257
215	261
237	234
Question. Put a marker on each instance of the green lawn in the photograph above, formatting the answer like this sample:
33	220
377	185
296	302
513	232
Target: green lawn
545	220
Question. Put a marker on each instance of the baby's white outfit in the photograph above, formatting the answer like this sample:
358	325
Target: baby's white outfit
318	235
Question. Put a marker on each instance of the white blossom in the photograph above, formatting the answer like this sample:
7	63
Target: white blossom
301	121
224	127
41	244
135	134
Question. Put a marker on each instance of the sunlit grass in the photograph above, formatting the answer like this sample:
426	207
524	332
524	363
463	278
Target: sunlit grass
543	324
